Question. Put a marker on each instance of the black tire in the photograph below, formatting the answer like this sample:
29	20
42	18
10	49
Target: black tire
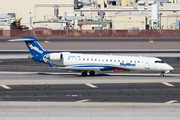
162	75
84	73
91	73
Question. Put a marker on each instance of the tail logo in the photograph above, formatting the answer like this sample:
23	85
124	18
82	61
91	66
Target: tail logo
36	49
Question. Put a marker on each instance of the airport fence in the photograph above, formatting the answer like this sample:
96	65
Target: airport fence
90	33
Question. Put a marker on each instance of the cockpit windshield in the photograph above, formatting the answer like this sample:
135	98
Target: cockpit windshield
159	62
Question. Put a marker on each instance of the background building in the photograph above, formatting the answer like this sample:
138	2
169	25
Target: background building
92	14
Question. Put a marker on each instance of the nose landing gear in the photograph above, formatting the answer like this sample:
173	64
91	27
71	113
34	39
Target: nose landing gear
162	74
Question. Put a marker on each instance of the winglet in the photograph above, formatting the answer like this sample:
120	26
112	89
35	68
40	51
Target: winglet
50	65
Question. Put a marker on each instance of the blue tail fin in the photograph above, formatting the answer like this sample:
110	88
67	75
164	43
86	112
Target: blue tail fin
34	47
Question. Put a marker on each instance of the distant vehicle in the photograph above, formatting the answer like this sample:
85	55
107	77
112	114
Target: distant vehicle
89	63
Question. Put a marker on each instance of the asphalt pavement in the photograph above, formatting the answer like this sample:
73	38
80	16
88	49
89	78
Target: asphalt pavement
131	92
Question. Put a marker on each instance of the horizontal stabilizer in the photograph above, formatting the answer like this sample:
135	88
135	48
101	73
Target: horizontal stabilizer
24	39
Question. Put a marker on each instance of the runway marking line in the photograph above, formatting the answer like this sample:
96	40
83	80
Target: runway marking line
20	111
151	41
91	85
168	84
5	86
83	101
171	101
46	41
1	61
74	95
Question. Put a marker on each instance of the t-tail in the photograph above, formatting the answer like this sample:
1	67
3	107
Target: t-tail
37	52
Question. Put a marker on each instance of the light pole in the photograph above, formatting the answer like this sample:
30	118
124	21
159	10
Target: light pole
160	20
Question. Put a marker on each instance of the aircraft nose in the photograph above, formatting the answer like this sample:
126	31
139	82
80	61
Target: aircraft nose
171	68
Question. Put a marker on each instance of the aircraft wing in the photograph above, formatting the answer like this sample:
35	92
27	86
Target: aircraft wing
77	68
81	68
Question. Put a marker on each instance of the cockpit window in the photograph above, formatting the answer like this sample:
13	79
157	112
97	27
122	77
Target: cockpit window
159	62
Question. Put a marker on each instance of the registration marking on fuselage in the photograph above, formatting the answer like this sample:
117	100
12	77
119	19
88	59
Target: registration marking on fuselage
90	85
5	86
168	84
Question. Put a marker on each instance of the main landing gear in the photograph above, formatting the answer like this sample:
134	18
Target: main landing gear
84	73
91	73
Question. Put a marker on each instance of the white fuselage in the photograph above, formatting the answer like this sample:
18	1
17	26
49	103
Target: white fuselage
109	62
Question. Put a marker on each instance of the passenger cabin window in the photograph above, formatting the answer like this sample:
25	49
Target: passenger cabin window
107	60
88	59
114	60
91	59
68	58
110	60
118	60
83	58
95	59
159	62
138	61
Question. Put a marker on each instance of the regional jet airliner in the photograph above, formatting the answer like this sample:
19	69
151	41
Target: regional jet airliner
91	64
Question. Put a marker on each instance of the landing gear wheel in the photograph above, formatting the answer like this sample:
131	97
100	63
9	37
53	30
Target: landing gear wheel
84	73
162	74
91	73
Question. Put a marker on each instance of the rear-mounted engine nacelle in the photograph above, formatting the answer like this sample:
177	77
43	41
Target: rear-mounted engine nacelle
54	56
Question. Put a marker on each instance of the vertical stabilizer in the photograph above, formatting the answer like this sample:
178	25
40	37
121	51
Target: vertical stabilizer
34	47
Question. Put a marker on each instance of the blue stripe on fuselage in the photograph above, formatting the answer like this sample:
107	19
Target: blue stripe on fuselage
105	67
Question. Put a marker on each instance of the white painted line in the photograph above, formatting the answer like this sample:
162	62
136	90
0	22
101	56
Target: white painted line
90	85
5	86
83	101
166	83
171	101
74	95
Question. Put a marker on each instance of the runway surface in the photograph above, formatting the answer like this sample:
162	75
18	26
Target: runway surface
92	45
56	94
124	92
88	111
107	39
89	98
61	95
